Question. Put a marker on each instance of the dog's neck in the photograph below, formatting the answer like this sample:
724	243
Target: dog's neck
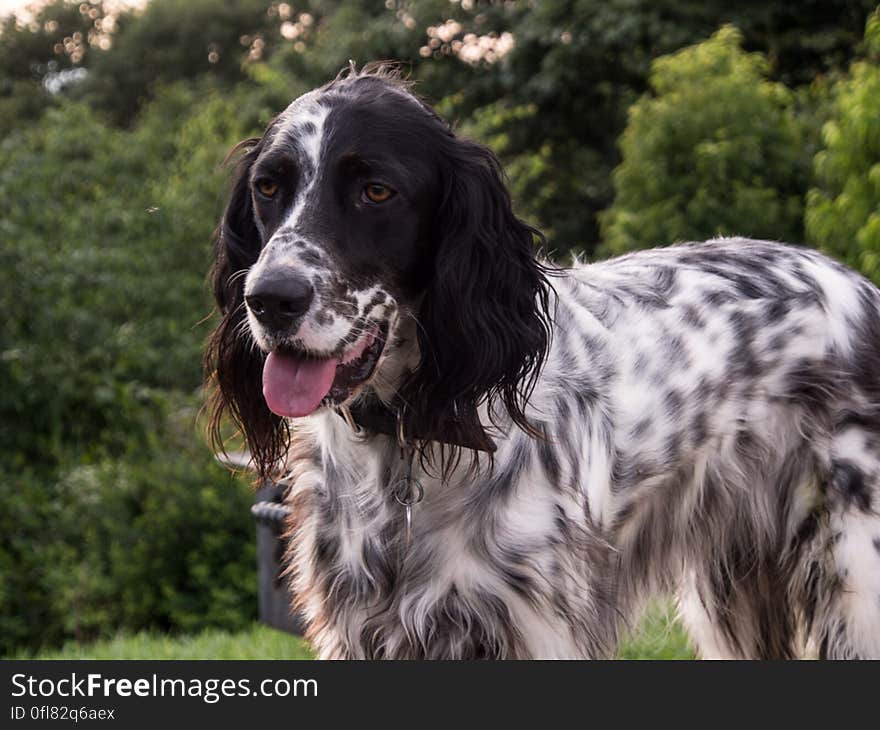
380	409
375	417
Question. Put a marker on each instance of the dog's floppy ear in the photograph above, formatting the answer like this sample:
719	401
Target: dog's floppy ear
484	323
233	364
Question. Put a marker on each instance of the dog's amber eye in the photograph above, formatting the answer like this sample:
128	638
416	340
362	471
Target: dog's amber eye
267	188
376	193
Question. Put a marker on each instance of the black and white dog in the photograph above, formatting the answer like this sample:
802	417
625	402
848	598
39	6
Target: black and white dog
491	457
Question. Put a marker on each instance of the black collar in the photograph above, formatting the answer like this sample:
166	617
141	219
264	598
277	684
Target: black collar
376	417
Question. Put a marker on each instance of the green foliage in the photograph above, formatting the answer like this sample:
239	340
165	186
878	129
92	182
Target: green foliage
165	539
657	636
174	40
57	39
804	40
49	52
113	515
255	642
161	539
28	551
63	339
106	240
843	211
715	150
580	64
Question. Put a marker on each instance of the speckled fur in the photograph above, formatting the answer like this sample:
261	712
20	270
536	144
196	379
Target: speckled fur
711	428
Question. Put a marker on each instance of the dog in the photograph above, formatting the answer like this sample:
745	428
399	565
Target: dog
491	456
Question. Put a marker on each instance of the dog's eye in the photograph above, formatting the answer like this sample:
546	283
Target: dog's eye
376	193
267	188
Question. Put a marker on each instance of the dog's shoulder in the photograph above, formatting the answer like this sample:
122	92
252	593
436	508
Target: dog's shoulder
719	276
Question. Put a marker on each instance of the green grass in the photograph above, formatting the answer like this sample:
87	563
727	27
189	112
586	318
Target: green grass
658	636
258	642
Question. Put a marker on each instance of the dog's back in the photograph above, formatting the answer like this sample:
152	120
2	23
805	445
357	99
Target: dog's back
702	419
743	407
710	429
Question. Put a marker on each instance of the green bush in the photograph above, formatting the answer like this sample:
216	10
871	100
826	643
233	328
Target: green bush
70	284
161	539
172	40
28	552
716	149
843	211
114	513
106	241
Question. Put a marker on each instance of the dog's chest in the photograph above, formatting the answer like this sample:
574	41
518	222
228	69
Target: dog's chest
471	578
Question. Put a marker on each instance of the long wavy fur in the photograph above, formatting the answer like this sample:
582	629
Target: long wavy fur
484	323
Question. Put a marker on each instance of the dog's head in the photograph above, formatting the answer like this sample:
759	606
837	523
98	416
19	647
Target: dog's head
368	252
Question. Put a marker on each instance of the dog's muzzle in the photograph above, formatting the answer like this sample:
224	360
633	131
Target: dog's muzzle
280	300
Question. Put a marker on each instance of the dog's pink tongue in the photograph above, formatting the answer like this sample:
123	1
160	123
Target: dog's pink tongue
294	386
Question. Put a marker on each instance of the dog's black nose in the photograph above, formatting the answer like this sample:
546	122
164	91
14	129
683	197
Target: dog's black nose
278	301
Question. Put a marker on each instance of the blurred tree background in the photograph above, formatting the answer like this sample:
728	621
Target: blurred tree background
622	124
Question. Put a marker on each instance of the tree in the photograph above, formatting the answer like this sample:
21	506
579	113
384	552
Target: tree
716	149
46	55
115	515
556	104
843	211
175	40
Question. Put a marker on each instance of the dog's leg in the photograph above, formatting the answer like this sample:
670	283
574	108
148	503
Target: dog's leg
705	637
739	610
849	624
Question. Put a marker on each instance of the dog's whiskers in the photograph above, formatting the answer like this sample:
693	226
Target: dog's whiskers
235	276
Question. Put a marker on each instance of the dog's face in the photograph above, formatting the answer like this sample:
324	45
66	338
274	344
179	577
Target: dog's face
367	251
343	191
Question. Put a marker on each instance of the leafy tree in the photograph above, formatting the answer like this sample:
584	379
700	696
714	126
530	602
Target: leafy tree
175	40
62	34
45	56
106	241
843	211
715	150
114	513
802	40
574	66
556	104
160	539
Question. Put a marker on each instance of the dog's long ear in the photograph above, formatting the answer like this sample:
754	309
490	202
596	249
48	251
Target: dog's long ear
484	323
233	364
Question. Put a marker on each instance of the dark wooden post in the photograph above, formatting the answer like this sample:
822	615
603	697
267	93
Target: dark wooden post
274	596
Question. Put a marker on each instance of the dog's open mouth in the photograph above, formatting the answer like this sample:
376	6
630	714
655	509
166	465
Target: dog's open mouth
296	384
